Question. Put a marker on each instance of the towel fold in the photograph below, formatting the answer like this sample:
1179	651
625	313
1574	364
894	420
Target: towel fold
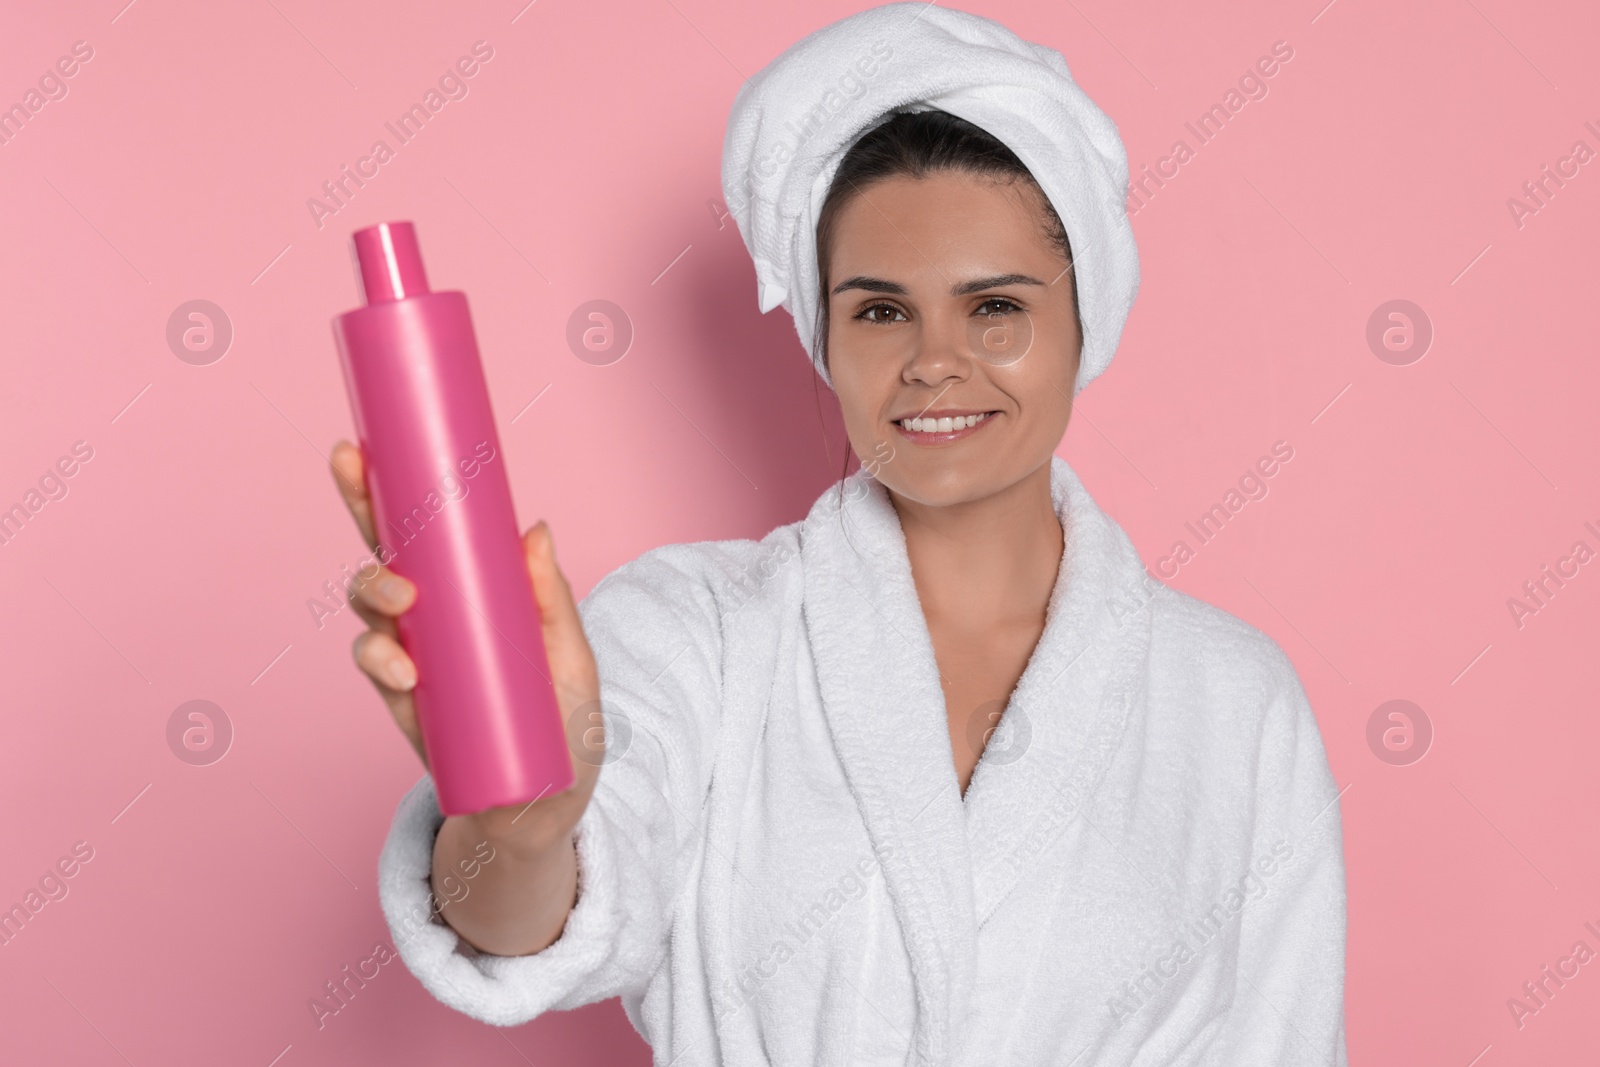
792	123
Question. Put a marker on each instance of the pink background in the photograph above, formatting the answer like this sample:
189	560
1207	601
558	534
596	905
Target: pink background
584	162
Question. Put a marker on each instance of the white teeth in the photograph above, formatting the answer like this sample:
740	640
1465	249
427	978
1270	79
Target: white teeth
944	425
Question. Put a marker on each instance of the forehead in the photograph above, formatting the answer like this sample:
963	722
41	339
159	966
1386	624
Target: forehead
944	217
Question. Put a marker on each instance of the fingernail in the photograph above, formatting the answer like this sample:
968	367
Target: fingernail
393	590
400	674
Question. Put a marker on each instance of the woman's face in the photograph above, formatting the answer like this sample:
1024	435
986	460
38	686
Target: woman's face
947	298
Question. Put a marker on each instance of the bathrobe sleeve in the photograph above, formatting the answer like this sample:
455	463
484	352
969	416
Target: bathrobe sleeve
654	625
1288	1000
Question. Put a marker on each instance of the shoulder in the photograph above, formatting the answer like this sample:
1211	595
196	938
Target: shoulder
1226	697
1214	669
705	578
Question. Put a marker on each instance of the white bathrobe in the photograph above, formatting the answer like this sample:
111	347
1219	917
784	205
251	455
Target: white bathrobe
778	866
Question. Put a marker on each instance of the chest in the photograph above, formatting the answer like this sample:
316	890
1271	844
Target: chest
818	933
979	666
828	904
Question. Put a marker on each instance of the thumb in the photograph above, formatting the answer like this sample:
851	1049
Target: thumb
566	647
550	587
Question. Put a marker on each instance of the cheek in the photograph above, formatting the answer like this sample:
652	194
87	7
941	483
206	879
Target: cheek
859	372
860	404
1041	386
1064	348
864	392
1050	366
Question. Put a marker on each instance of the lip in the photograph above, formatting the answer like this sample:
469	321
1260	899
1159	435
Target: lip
938	413
924	437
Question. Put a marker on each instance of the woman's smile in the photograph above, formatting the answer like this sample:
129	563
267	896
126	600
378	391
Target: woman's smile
942	427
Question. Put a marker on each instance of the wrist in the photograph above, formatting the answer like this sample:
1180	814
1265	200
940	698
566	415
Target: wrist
529	840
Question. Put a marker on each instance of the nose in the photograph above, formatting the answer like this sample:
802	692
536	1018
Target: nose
941	351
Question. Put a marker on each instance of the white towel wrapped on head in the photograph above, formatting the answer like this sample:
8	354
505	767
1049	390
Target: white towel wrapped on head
792	123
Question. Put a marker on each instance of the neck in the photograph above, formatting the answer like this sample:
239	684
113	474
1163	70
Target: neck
992	560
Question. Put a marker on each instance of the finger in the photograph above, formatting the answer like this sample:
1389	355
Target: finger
376	620
587	737
563	629
350	474
360	597
385	593
392	673
385	661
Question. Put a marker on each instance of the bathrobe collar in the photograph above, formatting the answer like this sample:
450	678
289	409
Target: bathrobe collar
948	863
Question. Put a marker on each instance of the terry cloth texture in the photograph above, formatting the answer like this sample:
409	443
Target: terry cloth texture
779	867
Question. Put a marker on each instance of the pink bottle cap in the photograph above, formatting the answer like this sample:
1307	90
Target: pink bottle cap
388	262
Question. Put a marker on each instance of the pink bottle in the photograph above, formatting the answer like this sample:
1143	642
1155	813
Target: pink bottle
442	505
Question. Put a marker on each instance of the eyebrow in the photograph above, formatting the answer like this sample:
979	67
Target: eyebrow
976	285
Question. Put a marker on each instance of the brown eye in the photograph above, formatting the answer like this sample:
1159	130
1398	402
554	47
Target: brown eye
870	314
1005	306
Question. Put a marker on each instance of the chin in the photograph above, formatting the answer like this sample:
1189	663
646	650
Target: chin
942	484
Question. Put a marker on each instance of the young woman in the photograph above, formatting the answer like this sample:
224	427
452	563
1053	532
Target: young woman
938	773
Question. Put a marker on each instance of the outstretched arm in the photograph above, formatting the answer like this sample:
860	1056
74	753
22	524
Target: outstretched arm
655	629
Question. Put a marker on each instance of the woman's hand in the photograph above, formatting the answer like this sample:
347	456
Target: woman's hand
530	830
